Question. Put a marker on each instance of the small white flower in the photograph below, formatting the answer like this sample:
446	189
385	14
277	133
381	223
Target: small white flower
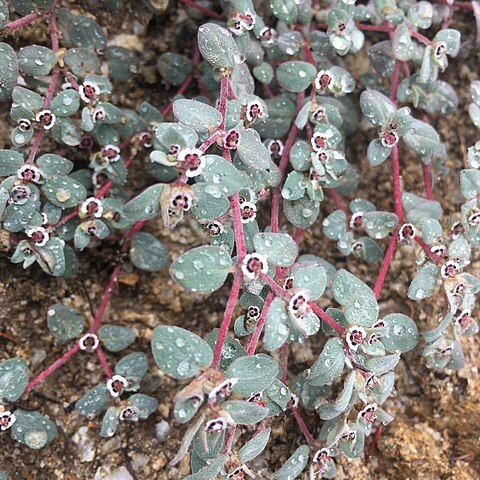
248	212
267	36
322	455
44	218
39	235
99	115
368	413
232	139
355	337
116	384
20	194
145	139
439	250
89	342
323	80
182	201
216	425
474	219
253	312
222	390
464	320
254	111
407	231
319	140
193	161
24	124
236	473
450	269
111	153
129	413
92	207
215	228
356	220
89	91
253	265
46	119
247	20
298	304
440	50
389	139
29	173
7	419
275	147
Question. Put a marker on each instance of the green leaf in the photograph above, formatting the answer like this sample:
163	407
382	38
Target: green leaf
451	38
277	325
377	153
180	353
4	15
208	206
469	183
33	429
402	333
422	138
254	373
329	364
65	323
51	164
424	283
64	192
66	103
169	134
302	212
402	44
295	76
311	277
110	422
209	472
295	464
197	115
379	224
253	153
81	62
380	365
294	186
222	177
86	33
357	298
202	269
36	60
255	446
146	205
10	162
13	379
243	412
18	217
332	410
145	404
217	46
263	73
279	248
376	107
284	10
122	63
148	253
116	337
8	71
93	402
174	68
420	14
133	365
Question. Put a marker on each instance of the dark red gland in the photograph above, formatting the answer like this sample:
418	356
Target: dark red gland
89	342
349	437
46	118
117	387
358	247
319	114
92	230
393	126
341	27
92	208
389	138
145	140
89	91
267	35
214	229
253	311
459	288
255	111
28	174
181	201
174	150
358	221
5	422
288	285
248	212
38	237
369	414
320	143
191	162
24	125
408	231
440	50
298	302
465	321
325	81
356	337
231	140
450	270
110	153
86	143
275	148
254	265
457	228
128	412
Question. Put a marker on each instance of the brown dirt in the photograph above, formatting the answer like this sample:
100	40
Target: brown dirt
437	428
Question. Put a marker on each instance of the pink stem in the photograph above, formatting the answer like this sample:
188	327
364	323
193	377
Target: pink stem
338	201
326	318
395	79
297	235
303	427
183	87
428	181
227	318
53	32
433	256
224	86
35	145
49	370
397	189
420	37
284	361
207	11
23	21
103	361
208	142
386	264
373	28
253	342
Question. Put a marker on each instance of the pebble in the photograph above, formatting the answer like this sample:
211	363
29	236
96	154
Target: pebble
161	430
106	472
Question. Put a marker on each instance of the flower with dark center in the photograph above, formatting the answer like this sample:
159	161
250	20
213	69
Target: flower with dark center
389	139
235	26
349	436
39	235
89	342
298	304
20	194
248	212
323	80
253	312
253	265
464	320
254	111
356	220
24	124
288	284
407	232
216	425
92	228
247	20
111	153
116	385
322	456
7	419
232	139
174	150
215	228
439	250
357	247
222	390
145	140
355	337
128	413
92	207
371	382
440	50
275	147
267	36
99	115
183	201
450	269
46	119
318	141
192	161
257	399
236	473
457	230
89	92
319	114
459	288
368	413
29	173
86	143
474	219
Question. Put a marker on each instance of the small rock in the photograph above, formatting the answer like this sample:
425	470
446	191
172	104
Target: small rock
106	472
85	444
161	430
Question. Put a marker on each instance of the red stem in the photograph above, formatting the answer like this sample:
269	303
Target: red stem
23	21
207	11
183	87
373	28
420	37
427	178
224	87
326	318
53	32
386	264
253	342
433	256
103	361
303	427
338	201
397	189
